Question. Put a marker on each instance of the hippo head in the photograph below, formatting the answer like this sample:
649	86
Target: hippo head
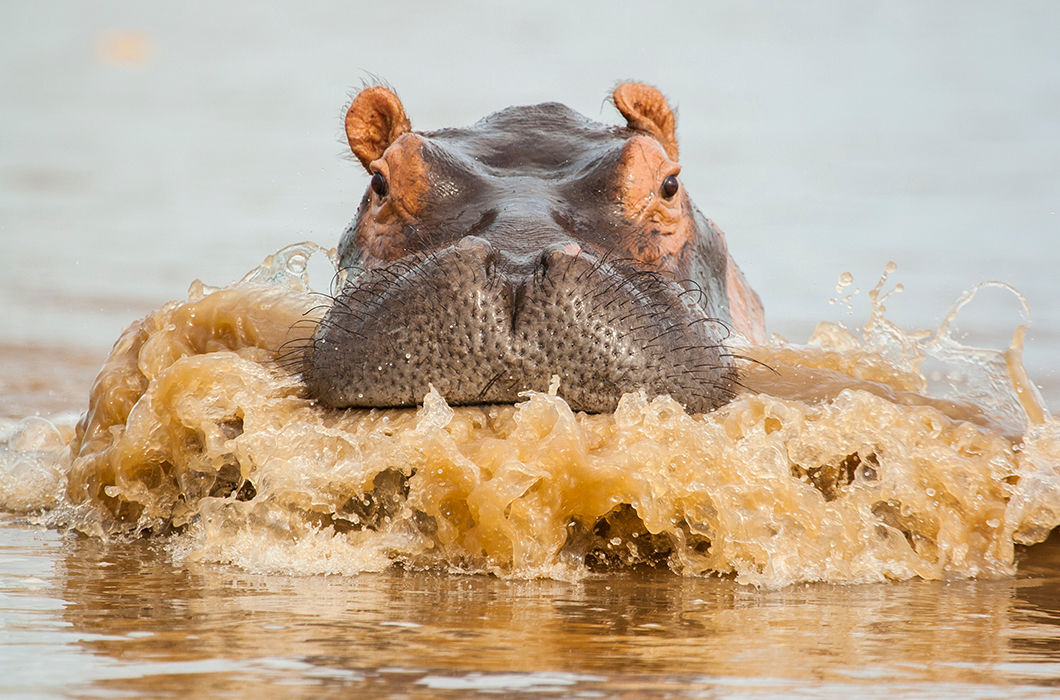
485	260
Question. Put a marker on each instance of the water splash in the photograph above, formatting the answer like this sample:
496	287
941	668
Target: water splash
838	463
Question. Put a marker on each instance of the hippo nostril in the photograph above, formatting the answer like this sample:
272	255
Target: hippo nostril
560	252
477	255
476	243
571	248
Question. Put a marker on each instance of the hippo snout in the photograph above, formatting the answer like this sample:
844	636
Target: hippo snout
482	326
485	260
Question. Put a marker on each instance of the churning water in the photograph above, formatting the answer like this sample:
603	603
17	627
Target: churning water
839	462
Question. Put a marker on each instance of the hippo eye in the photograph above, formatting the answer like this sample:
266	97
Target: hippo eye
670	186
379	185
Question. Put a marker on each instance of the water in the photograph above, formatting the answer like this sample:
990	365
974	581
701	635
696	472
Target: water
602	534
145	149
120	619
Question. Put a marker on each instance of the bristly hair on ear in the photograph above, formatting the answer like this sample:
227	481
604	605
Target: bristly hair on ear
375	120
646	109
368	80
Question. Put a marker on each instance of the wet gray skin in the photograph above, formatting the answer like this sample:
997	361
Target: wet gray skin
485	260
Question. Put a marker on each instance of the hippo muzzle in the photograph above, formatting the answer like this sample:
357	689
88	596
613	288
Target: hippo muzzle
537	243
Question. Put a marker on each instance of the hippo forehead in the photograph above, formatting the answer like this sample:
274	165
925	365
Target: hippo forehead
548	141
527	179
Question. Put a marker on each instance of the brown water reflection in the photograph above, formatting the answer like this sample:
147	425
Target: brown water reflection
154	628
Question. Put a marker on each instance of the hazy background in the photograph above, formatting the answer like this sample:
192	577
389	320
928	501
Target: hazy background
143	146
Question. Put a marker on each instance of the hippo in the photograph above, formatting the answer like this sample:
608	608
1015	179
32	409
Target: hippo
536	243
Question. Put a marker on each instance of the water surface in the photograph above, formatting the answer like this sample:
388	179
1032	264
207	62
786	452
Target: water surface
123	619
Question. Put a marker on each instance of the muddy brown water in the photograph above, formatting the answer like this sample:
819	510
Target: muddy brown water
836	529
865	524
122	620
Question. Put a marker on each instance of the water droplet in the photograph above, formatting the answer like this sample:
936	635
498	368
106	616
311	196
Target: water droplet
297	263
408	356
845	280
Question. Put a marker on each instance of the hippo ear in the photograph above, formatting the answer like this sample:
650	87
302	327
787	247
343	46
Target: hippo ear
645	109
374	121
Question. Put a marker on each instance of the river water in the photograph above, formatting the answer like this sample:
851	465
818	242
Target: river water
865	526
